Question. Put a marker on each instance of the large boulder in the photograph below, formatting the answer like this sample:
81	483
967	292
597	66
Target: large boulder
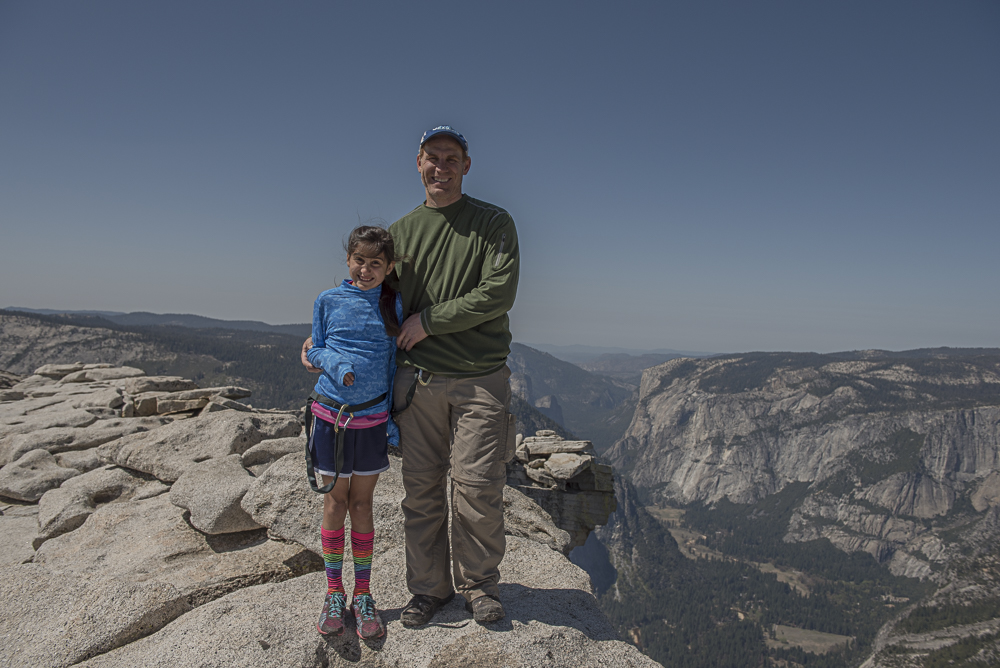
228	392
212	492
566	465
81	460
51	620
54	398
547	442
11	411
105	397
258	458
57	371
552	620
211	398
216	404
66	508
145	403
32	475
31	383
169	451
149	540
64	439
141	384
23	424
99	374
168	406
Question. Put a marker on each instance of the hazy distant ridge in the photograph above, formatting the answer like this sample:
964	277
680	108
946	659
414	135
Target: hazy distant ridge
144	319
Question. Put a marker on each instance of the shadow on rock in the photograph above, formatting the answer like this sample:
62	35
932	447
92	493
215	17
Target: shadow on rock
553	607
348	645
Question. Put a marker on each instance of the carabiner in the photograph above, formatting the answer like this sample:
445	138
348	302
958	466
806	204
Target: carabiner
336	423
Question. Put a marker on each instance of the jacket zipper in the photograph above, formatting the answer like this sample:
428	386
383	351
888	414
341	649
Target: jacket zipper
503	239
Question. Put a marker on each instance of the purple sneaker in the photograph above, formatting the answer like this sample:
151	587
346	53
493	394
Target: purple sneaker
331	619
366	617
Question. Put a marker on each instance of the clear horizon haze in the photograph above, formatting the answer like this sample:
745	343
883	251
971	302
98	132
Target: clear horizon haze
711	176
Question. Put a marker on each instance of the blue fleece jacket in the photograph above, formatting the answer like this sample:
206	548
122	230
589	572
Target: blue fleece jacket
349	336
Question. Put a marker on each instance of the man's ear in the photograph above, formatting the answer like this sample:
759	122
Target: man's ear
468	164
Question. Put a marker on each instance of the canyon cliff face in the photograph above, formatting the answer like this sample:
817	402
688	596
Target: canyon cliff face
897	448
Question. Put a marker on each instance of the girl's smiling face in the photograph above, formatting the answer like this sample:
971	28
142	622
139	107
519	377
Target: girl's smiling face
367	272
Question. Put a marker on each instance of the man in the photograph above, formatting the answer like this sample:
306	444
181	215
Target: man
451	396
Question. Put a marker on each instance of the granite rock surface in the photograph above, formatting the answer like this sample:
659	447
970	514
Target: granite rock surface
52	620
125	567
212	492
66	508
33	474
169	451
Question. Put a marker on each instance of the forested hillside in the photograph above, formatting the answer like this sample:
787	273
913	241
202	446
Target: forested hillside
722	612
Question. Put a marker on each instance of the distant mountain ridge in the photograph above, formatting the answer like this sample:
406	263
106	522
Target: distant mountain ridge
599	359
145	319
577	353
628	368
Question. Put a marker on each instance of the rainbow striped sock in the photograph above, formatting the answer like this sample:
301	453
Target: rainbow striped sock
333	557
361	547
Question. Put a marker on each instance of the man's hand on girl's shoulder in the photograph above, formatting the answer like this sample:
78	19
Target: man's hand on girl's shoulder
410	333
306	345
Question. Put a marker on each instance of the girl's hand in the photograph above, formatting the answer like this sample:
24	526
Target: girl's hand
349	379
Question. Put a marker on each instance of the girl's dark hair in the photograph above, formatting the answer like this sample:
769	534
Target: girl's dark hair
374	240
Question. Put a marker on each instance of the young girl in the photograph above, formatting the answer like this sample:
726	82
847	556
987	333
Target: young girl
354	328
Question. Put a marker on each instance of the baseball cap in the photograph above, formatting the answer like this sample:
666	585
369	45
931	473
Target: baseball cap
445	130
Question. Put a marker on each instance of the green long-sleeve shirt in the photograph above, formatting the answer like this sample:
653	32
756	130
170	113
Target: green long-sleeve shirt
459	273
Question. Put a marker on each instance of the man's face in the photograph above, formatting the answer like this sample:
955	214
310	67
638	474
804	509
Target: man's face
442	166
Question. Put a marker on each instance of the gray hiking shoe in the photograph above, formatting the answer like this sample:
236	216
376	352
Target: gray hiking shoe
485	609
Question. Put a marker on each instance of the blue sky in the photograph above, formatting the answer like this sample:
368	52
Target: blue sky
718	176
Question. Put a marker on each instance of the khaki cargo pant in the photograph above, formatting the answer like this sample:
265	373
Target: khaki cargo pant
461	424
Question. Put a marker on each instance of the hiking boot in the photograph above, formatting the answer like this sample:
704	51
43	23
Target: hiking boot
485	609
422	607
366	617
331	619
